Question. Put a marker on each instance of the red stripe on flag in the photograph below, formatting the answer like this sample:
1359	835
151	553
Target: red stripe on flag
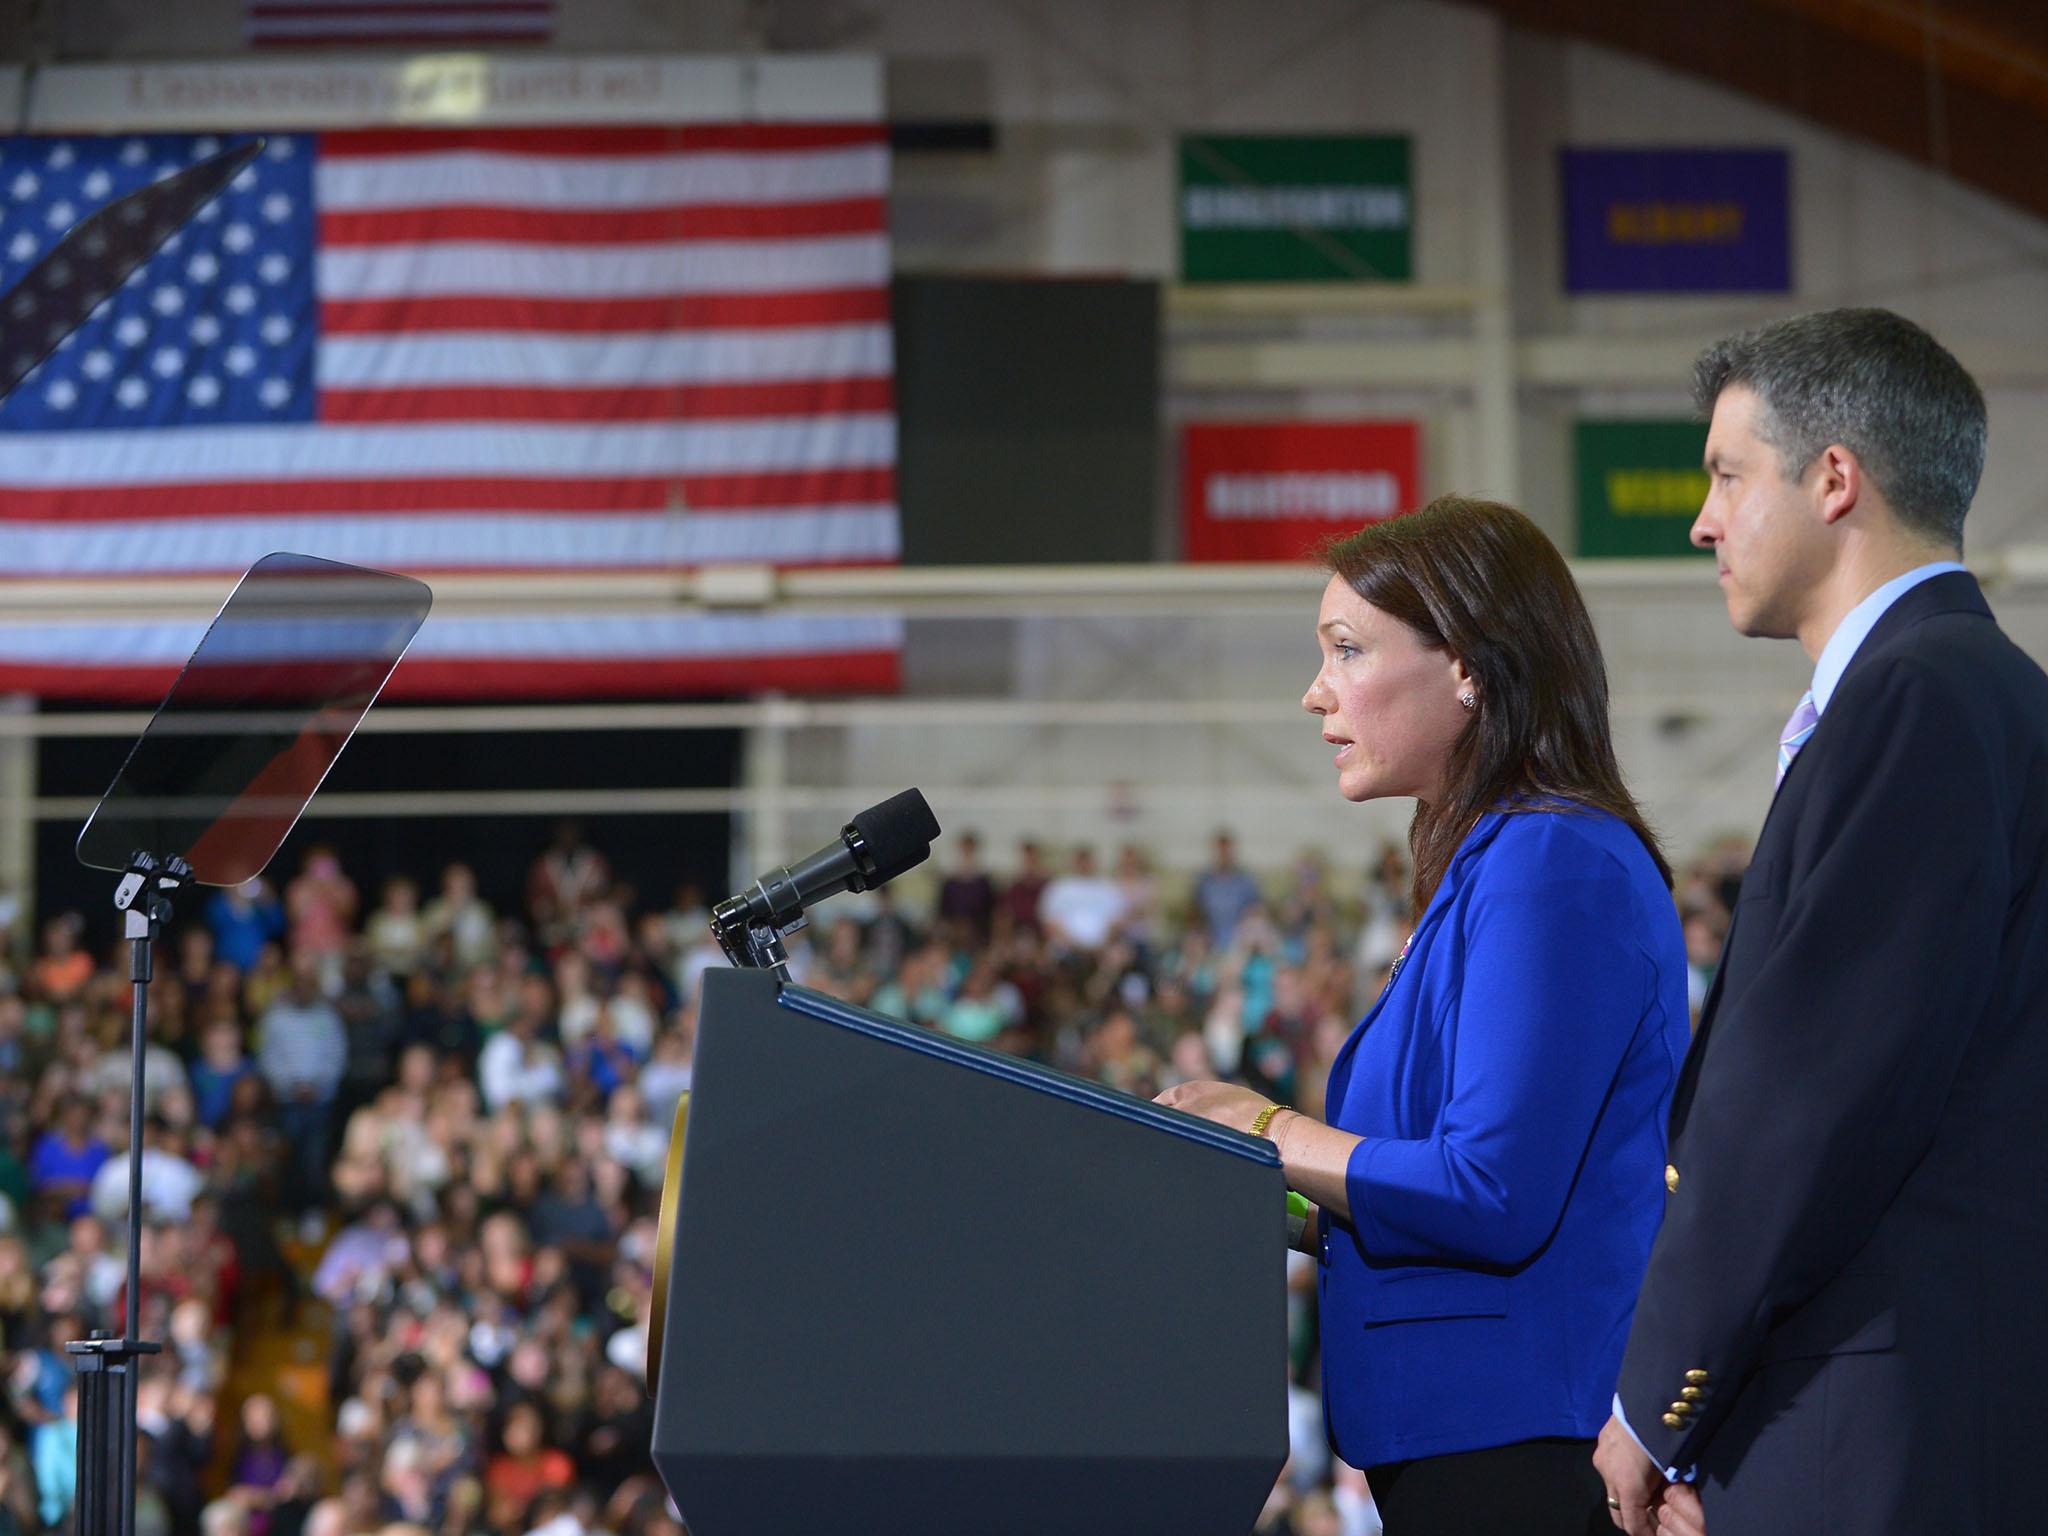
681	311
622	139
439	568
412	39
678	402
122	503
112	685
827	672
420	677
258	10
606	226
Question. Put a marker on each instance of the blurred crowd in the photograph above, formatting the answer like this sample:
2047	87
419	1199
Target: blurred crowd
404	1149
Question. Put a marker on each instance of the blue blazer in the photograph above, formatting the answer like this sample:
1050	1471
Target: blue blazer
1511	1085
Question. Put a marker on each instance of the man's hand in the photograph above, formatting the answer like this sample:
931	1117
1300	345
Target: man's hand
1680	1514
1633	1481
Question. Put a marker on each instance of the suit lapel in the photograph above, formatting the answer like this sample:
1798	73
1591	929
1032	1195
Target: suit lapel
1688	1073
1475	841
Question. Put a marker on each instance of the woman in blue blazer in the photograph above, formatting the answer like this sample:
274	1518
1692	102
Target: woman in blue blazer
1492	1172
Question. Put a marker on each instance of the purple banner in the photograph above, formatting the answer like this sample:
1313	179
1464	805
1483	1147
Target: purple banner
1677	221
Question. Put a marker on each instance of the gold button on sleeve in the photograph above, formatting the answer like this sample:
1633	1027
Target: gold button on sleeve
1691	1394
1697	1377
1673	1421
1670	1179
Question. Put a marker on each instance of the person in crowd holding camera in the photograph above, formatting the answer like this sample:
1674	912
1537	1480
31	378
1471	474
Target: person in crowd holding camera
1490	1176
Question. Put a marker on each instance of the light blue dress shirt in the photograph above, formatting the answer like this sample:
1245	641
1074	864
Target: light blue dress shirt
1857	624
1834	660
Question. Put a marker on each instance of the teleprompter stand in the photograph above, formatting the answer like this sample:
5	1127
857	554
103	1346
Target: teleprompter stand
107	1367
275	689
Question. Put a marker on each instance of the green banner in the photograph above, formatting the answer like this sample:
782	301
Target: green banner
1320	209
1640	486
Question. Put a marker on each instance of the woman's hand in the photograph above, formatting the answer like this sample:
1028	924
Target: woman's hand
1316	1157
1227	1104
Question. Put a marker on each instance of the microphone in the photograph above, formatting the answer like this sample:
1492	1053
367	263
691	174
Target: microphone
874	848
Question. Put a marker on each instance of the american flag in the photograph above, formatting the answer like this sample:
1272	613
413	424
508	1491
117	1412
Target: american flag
486	351
363	23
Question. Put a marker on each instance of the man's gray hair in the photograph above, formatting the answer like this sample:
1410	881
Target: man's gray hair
1875	383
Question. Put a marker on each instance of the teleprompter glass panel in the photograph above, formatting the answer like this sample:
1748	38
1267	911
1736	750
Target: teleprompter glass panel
275	689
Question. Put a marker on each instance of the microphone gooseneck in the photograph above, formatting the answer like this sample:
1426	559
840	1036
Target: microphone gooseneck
872	849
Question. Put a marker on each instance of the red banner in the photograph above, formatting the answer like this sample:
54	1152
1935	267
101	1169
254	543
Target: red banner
1275	490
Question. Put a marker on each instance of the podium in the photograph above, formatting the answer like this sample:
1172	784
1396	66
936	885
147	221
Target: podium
911	1286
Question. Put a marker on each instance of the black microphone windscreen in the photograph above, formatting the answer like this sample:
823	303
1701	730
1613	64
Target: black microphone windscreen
898	833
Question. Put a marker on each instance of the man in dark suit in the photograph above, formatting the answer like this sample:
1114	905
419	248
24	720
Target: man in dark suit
1841	1327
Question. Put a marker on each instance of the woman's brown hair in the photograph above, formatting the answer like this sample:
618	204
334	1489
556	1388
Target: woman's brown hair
1479	581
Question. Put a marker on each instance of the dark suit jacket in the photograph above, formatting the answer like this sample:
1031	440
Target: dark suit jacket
1849	1276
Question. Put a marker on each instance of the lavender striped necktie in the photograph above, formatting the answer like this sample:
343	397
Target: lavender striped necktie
1797	729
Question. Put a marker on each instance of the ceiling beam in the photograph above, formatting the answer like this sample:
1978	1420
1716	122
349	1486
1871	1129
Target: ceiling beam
1860	67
